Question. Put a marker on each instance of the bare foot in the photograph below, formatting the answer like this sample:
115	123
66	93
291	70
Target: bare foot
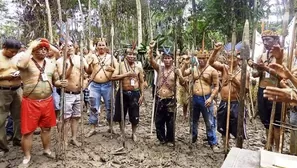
91	133
26	160
75	142
134	137
48	154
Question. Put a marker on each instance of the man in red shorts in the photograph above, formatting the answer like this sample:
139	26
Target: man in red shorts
39	75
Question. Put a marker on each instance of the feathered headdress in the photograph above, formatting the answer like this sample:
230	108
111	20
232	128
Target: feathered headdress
269	33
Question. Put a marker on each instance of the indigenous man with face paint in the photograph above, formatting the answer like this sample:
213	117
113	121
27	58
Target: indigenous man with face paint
131	75
165	100
10	91
261	69
205	89
227	76
100	86
72	111
38	75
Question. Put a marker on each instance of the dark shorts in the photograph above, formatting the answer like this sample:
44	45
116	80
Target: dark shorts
265	107
130	103
222	118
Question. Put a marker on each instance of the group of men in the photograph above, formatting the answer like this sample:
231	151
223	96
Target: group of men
29	79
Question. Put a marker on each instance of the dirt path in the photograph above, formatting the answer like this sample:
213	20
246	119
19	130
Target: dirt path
99	150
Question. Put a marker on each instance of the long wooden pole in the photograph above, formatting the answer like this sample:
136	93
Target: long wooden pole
113	84
122	108
175	75
154	99
61	118
245	54
81	89
229	85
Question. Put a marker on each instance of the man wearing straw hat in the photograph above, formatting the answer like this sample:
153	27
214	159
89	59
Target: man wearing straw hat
205	89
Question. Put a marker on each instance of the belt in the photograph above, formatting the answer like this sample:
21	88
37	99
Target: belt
69	92
9	88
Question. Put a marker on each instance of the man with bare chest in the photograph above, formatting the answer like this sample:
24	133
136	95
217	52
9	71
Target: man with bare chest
101	71
183	88
205	89
228	76
165	99
72	111
38	75
132	84
10	91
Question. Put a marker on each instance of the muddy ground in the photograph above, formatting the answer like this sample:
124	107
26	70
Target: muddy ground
99	150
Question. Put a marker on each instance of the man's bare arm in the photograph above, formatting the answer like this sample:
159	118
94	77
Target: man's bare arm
215	84
55	51
116	74
24	61
217	65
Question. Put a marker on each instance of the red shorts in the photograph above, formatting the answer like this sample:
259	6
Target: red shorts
37	113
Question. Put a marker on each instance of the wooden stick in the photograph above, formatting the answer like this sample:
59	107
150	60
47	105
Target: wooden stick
190	104
122	107
61	117
229	94
154	101
252	103
81	90
112	102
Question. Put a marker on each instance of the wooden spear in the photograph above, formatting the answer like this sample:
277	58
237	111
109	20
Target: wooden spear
154	101
122	107
62	103
81	88
175	75
112	85
244	54
190	104
229	86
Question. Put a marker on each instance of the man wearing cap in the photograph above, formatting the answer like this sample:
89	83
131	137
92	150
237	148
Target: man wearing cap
205	89
72	111
38	75
101	71
10	91
261	70
227	76
132	83
165	100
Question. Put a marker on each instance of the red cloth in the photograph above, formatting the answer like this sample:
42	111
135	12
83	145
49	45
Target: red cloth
37	113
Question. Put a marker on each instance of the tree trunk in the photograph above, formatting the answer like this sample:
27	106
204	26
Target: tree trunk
139	23
89	22
49	21
150	21
100	19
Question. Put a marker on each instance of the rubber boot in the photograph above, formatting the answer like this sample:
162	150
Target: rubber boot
293	143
